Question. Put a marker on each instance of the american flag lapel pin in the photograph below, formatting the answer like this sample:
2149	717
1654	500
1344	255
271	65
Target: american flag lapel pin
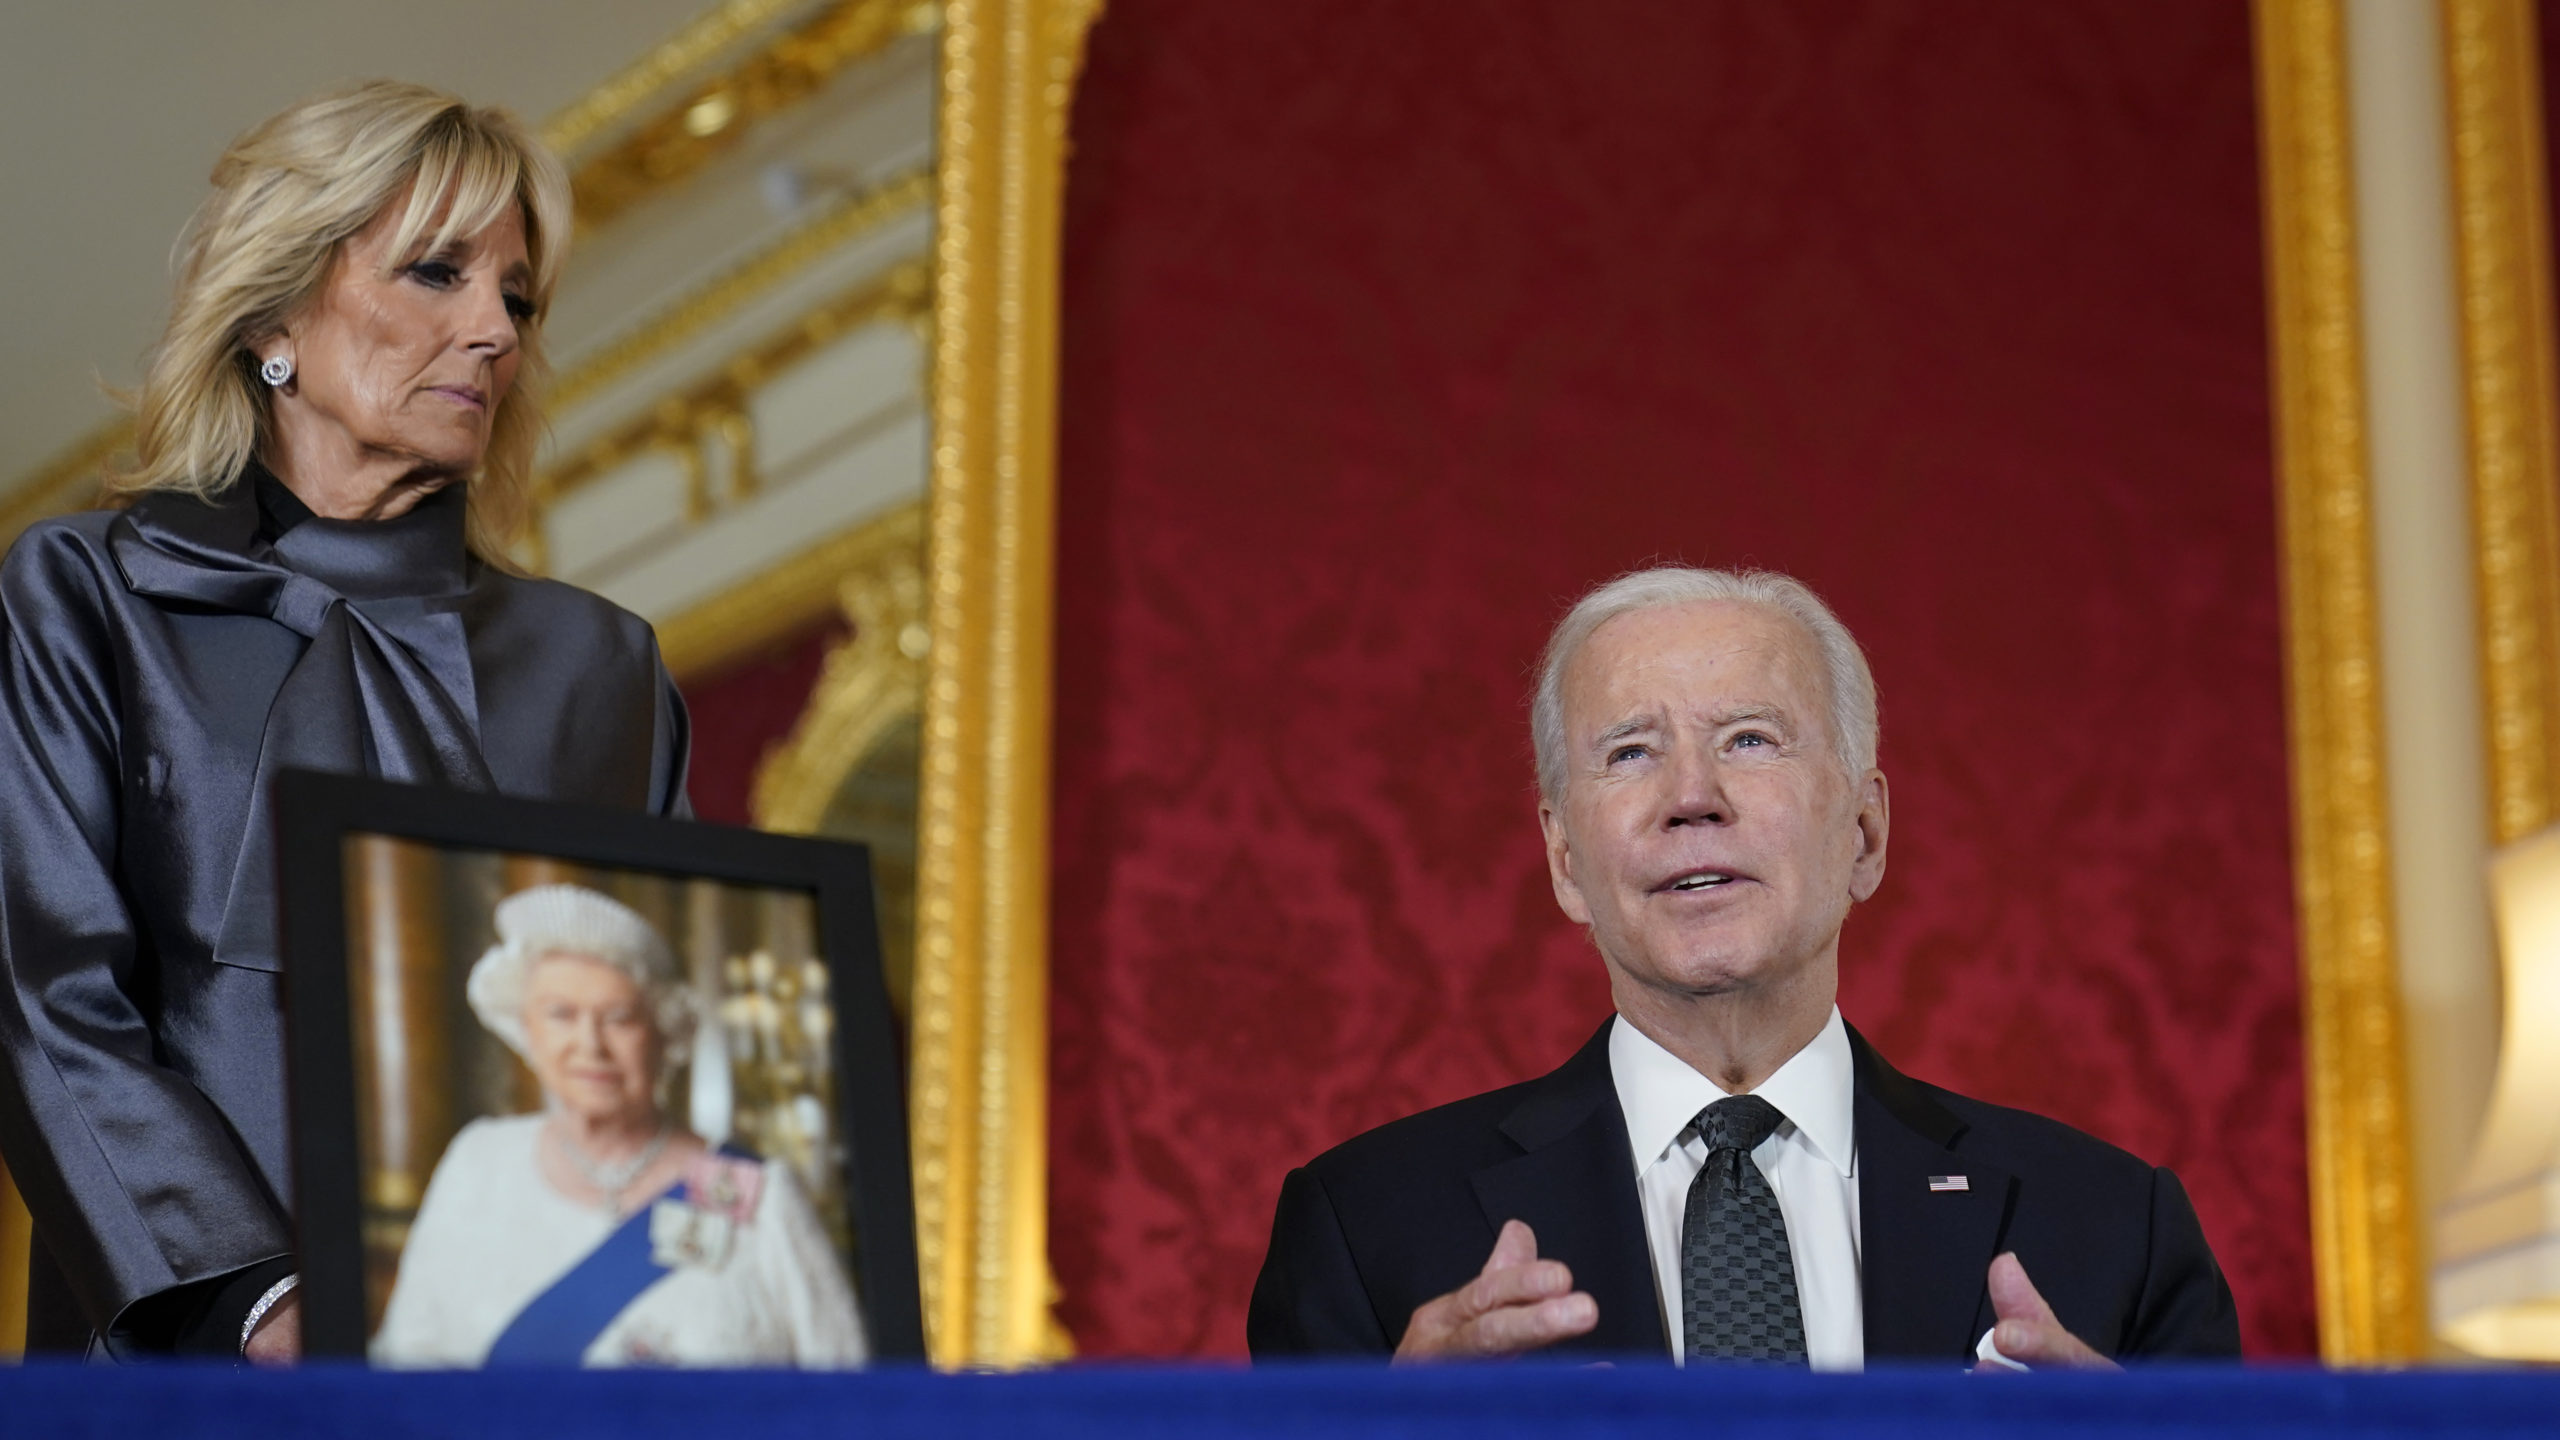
1939	1183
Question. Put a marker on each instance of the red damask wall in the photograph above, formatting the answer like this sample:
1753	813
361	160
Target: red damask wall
2546	14
742	710
1389	327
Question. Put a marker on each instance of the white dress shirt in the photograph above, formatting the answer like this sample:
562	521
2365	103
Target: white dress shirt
1811	1163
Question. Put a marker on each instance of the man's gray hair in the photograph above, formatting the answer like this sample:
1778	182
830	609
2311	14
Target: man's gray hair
1853	689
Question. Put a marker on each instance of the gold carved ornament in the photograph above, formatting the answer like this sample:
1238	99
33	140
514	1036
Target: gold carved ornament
835	225
2364	1234
684	422
787	600
646	81
869	682
716	115
848	768
980	1036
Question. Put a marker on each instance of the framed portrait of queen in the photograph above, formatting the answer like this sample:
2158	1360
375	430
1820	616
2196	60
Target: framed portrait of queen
576	1087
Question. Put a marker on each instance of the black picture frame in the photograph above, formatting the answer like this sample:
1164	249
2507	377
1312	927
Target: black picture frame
318	813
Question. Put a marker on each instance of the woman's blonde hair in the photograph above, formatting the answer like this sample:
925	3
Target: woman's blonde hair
286	196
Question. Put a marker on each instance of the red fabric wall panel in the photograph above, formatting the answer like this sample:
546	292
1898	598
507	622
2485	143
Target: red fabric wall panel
2546	14
743	709
1390	327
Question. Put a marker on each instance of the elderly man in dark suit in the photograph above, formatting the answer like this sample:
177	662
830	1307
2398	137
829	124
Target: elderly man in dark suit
1727	1171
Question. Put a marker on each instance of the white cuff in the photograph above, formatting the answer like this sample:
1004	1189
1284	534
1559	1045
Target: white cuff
1989	1353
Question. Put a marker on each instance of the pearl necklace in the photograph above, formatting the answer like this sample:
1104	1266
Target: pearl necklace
611	1181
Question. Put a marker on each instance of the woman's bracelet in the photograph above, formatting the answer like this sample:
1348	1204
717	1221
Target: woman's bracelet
266	1302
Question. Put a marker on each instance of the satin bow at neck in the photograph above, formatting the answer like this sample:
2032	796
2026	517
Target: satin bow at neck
383	689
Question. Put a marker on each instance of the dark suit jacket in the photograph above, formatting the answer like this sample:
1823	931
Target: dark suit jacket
1370	1230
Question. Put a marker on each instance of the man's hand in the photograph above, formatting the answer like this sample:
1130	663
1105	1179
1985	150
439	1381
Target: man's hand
2028	1332
1518	1302
278	1338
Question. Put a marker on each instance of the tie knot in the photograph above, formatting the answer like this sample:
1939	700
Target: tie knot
1738	1122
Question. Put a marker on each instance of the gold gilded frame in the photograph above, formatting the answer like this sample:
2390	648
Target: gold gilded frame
871	680
718	404
784	601
647	81
2503	250
721	297
2364	1233
980	1047
675	144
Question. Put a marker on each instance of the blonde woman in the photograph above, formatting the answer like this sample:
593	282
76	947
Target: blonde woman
308	570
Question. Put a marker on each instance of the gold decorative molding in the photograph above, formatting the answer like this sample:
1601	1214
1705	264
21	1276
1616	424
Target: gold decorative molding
2503	239
713	416
717	114
981	1020
784	600
869	681
647	79
723	295
2364	1236
681	419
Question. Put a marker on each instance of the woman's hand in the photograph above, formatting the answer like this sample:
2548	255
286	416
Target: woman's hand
278	1339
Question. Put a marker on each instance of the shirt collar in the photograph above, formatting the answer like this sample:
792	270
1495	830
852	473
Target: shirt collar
279	509
1660	1094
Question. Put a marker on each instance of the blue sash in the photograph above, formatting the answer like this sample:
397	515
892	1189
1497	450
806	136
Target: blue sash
557	1326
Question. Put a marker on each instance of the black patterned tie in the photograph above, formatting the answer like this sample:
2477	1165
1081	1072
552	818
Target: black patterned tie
1737	1277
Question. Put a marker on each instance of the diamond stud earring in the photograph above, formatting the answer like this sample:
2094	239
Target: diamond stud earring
276	371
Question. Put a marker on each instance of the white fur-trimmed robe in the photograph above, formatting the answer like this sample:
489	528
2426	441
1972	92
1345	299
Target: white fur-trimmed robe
492	1234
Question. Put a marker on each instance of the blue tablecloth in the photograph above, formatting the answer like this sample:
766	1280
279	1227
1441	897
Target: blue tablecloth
65	1402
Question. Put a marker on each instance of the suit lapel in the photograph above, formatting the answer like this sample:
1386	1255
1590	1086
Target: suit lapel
1924	1253
1575	1185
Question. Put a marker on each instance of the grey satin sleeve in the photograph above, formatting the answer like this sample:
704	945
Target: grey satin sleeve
135	1181
671	756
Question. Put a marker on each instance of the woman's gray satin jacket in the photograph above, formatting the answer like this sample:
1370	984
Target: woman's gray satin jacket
157	665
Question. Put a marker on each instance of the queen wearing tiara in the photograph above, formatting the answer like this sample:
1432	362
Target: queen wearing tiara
600	1231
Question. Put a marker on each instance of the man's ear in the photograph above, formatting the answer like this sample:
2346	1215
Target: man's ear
1560	864
1875	823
